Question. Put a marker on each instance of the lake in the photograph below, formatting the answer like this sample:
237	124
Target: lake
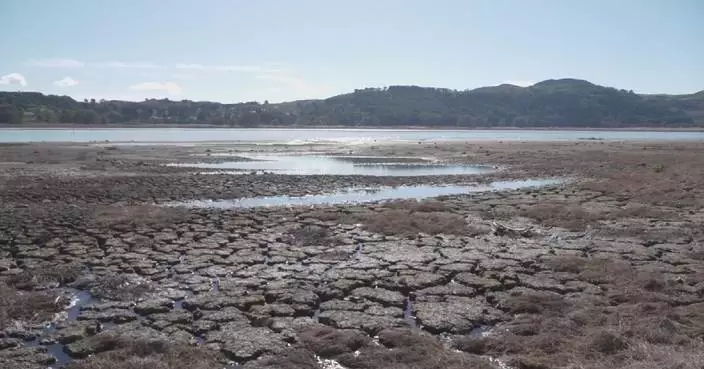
303	136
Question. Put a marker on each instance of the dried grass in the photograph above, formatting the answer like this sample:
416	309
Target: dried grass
136	354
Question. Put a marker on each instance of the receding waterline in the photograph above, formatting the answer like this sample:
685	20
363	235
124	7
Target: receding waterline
307	136
362	195
341	165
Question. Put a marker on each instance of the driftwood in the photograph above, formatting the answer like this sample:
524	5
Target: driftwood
499	229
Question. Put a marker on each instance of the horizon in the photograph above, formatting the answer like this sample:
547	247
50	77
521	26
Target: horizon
283	52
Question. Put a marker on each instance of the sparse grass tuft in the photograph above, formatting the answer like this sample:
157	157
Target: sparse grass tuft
311	235
59	274
408	223
137	354
30	306
564	215
120	287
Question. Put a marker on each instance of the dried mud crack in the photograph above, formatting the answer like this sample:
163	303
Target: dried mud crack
94	275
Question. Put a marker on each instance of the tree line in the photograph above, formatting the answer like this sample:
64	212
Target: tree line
551	103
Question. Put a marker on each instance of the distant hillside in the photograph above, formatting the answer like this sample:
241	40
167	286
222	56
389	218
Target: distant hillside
551	103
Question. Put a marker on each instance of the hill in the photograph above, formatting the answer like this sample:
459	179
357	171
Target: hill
550	103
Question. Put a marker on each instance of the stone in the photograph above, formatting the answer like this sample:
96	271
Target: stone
153	306
458	315
380	295
357	320
249	343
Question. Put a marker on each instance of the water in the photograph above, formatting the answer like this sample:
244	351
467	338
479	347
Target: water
341	165
301	136
357	195
79	299
57	351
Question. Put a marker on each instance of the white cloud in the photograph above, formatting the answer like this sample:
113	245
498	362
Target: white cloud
171	88
56	63
520	83
13	79
66	82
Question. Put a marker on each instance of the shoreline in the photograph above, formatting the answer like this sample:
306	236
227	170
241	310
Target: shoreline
52	126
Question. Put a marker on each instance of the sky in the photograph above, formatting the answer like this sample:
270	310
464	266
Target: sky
280	50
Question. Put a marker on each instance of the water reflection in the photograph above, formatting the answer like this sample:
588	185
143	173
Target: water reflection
341	165
361	195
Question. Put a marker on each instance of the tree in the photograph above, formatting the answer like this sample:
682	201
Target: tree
9	114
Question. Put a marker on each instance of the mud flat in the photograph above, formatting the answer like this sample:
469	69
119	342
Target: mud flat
605	270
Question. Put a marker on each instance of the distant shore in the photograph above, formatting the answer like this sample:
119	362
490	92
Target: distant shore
339	127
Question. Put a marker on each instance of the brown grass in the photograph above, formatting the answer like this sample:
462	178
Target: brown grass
408	223
119	287
329	342
404	349
139	354
61	274
564	215
636	314
27	306
312	235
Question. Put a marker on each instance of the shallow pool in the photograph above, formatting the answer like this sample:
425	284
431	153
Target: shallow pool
362	195
341	165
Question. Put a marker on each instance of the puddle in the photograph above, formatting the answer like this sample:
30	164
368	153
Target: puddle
361	195
57	351
408	317
79	299
341	165
481	331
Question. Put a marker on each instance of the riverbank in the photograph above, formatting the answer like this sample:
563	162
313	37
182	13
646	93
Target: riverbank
340	127
604	271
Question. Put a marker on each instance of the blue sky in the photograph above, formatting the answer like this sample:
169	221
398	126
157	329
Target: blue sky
232	50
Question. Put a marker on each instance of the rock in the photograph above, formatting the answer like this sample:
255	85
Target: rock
480	283
249	343
380	295
173	317
457	315
418	280
75	331
272	310
201	326
6	343
153	306
356	320
344	305
228	314
111	315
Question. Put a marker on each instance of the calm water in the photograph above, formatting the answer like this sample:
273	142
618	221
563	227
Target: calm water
342	165
300	136
357	195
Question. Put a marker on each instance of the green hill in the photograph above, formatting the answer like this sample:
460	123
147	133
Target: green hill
550	103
